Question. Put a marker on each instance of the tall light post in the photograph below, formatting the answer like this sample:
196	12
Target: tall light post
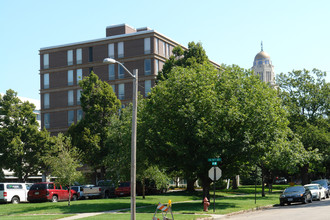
133	139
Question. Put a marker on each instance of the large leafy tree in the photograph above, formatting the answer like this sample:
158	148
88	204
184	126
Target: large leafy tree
99	103
200	113
306	96
21	142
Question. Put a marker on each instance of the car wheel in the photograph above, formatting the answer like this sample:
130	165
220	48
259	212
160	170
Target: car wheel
311	199
74	197
281	203
54	199
15	200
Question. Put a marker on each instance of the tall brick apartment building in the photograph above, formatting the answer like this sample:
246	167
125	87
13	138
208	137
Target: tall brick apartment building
61	68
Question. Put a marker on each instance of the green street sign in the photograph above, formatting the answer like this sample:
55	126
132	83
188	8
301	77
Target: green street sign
214	159
214	163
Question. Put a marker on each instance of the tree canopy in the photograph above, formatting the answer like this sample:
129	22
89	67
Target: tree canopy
21	142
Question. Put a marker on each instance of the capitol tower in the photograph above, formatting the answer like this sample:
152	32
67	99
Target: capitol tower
262	66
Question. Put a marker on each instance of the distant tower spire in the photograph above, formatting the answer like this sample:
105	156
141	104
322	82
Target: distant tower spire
262	46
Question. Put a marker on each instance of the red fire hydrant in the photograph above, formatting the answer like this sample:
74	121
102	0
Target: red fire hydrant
206	204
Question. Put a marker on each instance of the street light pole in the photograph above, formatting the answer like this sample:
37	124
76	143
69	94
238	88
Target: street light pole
133	139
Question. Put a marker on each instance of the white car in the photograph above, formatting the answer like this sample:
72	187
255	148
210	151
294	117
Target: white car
14	192
317	191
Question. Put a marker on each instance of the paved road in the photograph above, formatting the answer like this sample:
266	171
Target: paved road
315	211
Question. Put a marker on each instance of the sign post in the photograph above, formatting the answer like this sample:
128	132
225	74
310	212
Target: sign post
214	173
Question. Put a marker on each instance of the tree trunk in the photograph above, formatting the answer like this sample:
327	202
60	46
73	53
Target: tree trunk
69	195
304	174
234	183
143	189
206	182
263	183
190	185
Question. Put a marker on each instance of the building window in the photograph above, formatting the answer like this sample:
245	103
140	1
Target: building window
111	50
46	61
147	66
121	72
167	50
120	49
90	70
70	97
111	71
147	87
79	75
156	45
78	96
259	62
46	81
113	88
164	48
121	91
146	45
79	56
156	66
70	77
90	54
70	57
46	100
70	117
46	120
79	114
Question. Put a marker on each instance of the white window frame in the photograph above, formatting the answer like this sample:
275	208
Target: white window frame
147	46
79	75
70	57
46	61
70	98
46	81
121	91
46	101
147	87
120	49
111	50
79	56
70	77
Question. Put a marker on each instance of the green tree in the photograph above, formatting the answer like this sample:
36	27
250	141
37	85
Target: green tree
194	55
99	103
306	96
21	142
200	113
64	162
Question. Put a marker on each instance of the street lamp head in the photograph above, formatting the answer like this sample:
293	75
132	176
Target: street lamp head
109	61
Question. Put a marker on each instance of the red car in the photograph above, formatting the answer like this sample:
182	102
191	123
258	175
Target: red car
124	189
49	191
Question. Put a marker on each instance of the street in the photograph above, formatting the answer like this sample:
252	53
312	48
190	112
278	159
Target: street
316	210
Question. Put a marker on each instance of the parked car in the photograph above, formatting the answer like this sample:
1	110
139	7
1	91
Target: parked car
107	188
296	194
79	191
124	189
281	180
49	191
14	192
325	184
317	191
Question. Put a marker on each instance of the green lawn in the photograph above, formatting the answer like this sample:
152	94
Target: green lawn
227	201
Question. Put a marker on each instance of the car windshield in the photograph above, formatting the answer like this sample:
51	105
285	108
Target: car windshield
126	184
38	186
313	187
321	182
75	188
294	189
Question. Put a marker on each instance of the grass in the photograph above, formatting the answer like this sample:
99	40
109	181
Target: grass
33	217
227	201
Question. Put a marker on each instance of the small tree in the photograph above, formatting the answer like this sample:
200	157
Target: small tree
65	162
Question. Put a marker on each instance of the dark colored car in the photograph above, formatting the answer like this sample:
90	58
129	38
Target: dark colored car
49	191
296	194
325	184
124	188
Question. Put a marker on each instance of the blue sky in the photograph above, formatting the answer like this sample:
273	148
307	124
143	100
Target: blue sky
296	34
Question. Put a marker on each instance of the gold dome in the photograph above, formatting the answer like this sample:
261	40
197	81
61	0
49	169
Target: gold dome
261	55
